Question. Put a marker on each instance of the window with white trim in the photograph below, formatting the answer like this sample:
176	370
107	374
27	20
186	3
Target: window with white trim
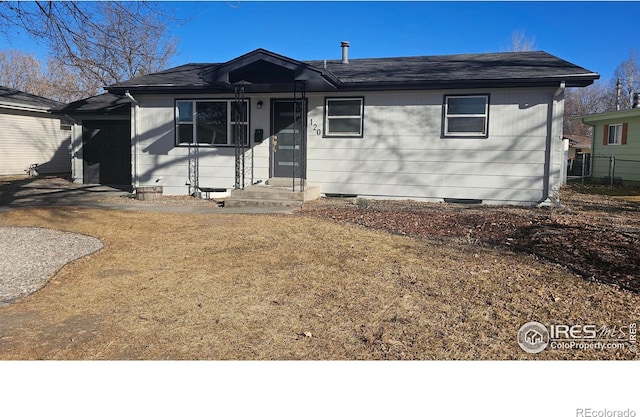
615	134
466	116
210	122
343	117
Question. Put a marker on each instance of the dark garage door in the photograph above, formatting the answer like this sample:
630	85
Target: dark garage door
106	151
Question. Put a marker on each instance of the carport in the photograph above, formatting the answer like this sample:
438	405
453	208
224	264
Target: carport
106	152
101	140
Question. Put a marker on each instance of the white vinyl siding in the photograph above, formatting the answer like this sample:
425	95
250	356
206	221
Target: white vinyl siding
402	153
161	162
33	138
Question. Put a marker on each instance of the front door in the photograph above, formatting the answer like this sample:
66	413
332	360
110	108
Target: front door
287	139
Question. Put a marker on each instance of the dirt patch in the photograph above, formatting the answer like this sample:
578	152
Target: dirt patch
594	235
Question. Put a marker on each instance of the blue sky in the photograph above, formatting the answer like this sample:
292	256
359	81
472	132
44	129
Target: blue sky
574	31
595	35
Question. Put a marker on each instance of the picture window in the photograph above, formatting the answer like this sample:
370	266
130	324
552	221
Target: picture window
211	122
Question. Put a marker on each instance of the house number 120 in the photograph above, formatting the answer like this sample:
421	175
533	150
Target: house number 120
314	128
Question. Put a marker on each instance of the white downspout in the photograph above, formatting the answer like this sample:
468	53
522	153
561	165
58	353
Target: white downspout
560	90
134	138
553	135
559	129
559	126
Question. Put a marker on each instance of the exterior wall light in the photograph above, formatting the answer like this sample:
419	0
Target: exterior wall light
259	104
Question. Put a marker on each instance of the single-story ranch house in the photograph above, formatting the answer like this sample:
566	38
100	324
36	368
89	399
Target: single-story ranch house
31	135
471	128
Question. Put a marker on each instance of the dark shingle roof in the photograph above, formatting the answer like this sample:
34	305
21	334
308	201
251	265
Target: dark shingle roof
491	68
183	75
104	104
420	72
11	97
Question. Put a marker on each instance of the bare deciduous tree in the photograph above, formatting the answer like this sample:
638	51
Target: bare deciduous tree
596	98
104	42
21	72
520	42
628	72
602	97
54	80
66	84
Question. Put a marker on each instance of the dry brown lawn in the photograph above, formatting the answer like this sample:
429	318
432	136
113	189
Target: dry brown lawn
180	286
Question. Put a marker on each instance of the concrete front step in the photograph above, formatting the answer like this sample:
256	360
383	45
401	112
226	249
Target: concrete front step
285	182
262	192
239	202
271	196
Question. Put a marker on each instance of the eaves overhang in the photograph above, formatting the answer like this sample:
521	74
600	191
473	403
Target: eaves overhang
466	83
169	89
316	84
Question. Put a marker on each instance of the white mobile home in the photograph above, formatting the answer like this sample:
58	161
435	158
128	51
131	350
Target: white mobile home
474	128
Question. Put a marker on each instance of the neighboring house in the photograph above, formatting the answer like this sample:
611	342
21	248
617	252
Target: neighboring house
30	134
616	145
578	153
471	128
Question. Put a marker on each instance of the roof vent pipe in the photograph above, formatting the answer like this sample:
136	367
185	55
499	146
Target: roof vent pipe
636	100
345	52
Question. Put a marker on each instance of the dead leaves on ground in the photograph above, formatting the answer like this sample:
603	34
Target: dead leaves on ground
602	245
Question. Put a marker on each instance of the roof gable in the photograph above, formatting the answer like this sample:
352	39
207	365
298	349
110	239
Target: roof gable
229	72
259	70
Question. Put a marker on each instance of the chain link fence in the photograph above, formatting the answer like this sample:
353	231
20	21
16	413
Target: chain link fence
606	169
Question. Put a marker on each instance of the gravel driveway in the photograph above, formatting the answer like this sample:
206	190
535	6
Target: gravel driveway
30	256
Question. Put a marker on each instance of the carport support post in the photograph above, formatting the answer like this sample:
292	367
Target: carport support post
300	130
76	146
239	117
134	138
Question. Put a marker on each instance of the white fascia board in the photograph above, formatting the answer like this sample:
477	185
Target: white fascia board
612	115
24	107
